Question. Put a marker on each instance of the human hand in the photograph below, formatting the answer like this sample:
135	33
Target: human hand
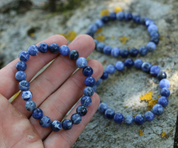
55	91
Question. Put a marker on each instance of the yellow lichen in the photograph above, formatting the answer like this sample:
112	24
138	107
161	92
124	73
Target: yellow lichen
100	38
117	9
123	40
163	134
70	36
112	37
134	115
141	133
161	37
104	12
99	30
32	34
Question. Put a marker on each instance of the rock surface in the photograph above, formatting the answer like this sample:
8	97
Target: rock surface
121	91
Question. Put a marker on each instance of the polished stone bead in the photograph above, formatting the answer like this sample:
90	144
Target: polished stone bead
64	50
87	71
107	50
154	39
54	48
98	81
161	75
94	88
56	126
143	20
76	118
43	47
152	27
133	52
100	47
138	63
67	124
154	34
81	110
20	75
136	18
88	91
90	34
163	101
128	119
146	67
124	53
143	51
139	119
30	105
157	109
45	121
149	116
129	63
81	62
102	107
105	75
165	92
151	46
109	113
73	54
105	19
96	43
119	66
115	52
120	16
33	50
27	95
86	101
89	81
164	83
118	117
112	16
92	28
110	69
24	85
21	66
154	70
24	56
99	23
149	22
128	16
37	113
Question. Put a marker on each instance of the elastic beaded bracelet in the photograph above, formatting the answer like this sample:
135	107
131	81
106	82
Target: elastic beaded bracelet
133	52
24	85
146	67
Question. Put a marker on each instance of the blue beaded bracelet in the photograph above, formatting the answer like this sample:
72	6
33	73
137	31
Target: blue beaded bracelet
27	96
133	52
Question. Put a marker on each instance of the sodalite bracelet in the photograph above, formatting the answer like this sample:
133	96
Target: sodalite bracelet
24	85
133	52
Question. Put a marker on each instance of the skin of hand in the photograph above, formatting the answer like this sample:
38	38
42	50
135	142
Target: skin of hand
55	91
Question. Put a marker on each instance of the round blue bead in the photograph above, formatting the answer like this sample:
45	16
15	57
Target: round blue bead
73	54
54	48
107	50
112	16
115	52
139	119
43	47
27	95
96	43
157	109
102	107
105	75
109	113
99	23
24	85
154	39
67	124
154	34
164	83
143	51
124	53
119	65
105	19
86	101
87	71
110	69
120	16
92	28
149	116
33	50
94	88
81	110
89	81
90	34
64	50
20	75
100	46
81	62
24	56
149	22
151	46
76	118
88	91
37	113
161	75
30	105
154	70
56	126
136	18
146	67
118	117
45	121
98	81
165	92
143	20
129	63
152	27
133	52
128	16
138	63
128	119
163	101
21	66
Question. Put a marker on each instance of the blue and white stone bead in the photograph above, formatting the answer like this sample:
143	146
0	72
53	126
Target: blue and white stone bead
20	75
30	105
163	101
110	69
128	119
165	92
86	101
115	52
118	117
107	50
45	121
88	91
105	75
64	50
149	116
27	95
139	119
109	113
138	63
164	83
157	109
76	118
119	66
33	50
81	62
21	66
151	46
154	70
37	113
102	107
43	47
56	126
24	85
24	56
67	124
89	81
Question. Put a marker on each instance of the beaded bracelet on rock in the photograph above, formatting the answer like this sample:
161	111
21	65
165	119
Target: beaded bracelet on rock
133	52
24	85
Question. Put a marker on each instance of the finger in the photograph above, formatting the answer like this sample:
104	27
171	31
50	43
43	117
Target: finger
60	102
69	137
57	73
9	85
